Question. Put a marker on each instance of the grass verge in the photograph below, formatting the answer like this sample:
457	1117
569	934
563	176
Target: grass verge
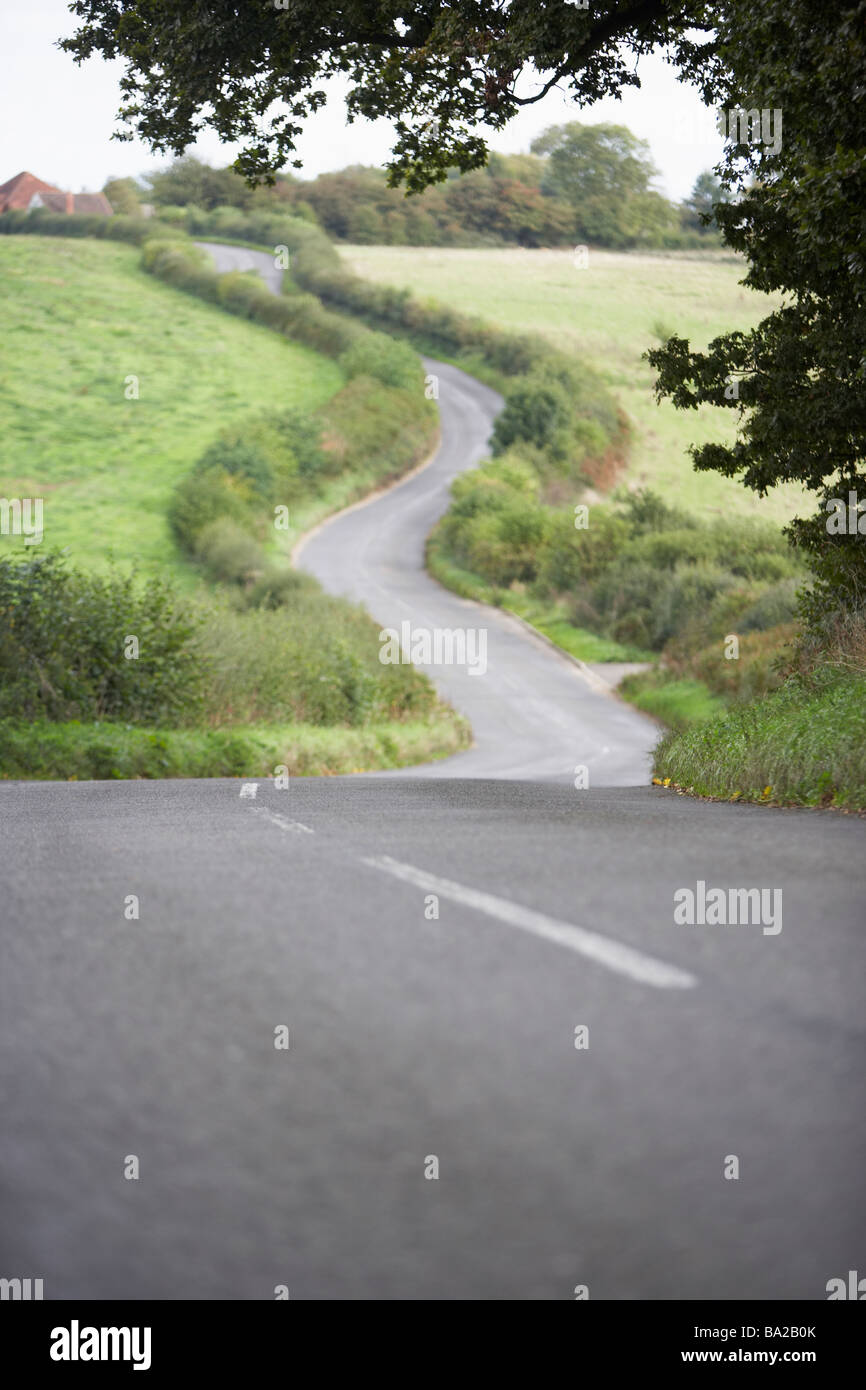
676	703
802	745
548	618
76	751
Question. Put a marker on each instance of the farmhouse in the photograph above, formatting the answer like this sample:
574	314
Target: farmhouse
25	191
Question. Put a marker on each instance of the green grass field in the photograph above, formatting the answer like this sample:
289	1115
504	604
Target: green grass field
608	313
79	317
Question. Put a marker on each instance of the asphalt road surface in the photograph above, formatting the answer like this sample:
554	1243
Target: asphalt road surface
540	1088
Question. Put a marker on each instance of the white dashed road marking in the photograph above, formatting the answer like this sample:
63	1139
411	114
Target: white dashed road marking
625	960
283	821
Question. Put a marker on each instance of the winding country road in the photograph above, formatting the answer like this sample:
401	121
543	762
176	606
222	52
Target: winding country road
534	714
541	1087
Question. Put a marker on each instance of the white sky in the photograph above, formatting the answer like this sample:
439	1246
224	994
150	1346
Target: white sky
57	118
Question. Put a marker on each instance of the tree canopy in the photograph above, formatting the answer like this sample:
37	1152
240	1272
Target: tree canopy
438	70
706	192
797	380
604	173
514	200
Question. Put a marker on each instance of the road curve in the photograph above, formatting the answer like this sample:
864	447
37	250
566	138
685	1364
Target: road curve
510	1071
534	713
227	258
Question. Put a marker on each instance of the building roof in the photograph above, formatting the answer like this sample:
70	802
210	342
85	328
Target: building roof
92	203
81	203
17	192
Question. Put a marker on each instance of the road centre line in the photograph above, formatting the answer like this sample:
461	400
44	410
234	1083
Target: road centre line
283	821
604	950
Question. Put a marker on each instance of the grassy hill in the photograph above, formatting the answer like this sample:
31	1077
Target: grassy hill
79	317
608	314
252	670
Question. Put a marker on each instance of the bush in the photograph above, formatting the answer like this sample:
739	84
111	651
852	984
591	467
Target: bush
500	546
65	650
64	637
391	362
565	407
228	553
536	411
375	432
642	604
776	605
301	317
687	598
750	551
281	589
242	293
176	216
570	558
241	459
202	498
757	669
644	511
40	223
239	480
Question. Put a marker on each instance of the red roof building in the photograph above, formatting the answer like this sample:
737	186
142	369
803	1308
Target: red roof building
83	203
17	192
26	191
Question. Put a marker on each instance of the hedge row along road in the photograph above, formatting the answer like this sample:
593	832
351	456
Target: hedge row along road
548	1084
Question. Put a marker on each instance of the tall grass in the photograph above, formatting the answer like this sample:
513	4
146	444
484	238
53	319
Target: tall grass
803	744
79	646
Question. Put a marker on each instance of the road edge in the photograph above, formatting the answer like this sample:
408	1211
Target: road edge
299	545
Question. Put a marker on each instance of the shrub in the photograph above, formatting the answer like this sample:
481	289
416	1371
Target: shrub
501	546
301	316
273	451
570	558
757	669
41	223
241	459
750	551
242	292
203	497
775	605
391	362
176	216
315	661
375	431
645	511
64	644
693	590
536	411
228	553
281	589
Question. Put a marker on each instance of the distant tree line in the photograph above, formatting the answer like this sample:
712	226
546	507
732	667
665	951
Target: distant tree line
580	184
